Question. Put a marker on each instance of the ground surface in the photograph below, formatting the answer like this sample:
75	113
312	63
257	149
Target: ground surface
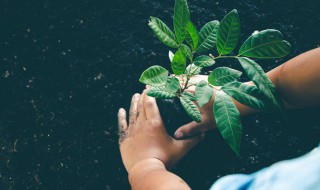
67	67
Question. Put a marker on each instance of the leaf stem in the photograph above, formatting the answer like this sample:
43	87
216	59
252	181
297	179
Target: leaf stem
190	75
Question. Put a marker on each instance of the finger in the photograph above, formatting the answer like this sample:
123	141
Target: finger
122	124
151	108
134	109
141	112
188	130
148	86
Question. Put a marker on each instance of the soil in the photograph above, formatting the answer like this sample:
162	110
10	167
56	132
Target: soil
172	114
66	68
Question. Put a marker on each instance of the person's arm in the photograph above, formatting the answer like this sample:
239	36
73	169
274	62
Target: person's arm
297	81
146	148
152	174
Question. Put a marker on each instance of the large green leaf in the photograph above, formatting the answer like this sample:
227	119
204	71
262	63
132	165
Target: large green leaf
228	33
160	92
186	50
203	93
260	79
204	61
163	32
193	69
208	36
228	120
179	62
172	85
265	44
154	76
189	96
245	94
223	75
181	19
192	37
191	109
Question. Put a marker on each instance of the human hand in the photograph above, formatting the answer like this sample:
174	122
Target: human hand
207	118
146	138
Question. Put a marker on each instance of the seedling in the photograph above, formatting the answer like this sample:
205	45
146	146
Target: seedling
191	46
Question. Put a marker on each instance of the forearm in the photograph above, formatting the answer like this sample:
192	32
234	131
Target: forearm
152	174
297	81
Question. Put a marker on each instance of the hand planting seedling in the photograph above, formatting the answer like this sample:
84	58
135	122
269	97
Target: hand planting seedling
191	55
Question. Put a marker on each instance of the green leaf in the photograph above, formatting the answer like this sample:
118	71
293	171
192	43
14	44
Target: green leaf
260	79
192	37
191	109
154	76
223	75
203	93
189	96
228	33
204	61
172	85
192	68
228	120
187	52
163	32
245	94
181	19
179	62
160	92
208	36
265	44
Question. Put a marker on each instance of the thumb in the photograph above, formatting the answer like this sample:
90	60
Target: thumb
188	130
187	144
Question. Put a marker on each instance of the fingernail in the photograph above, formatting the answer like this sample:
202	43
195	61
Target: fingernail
121	110
178	134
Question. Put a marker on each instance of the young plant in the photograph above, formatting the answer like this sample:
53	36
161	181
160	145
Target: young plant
221	36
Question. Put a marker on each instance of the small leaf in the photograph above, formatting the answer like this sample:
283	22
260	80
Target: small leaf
160	92
204	61
193	69
192	37
265	44
163	32
223	75
245	94
260	79
171	56
228	33
154	76
172	85
179	62
189	96
203	93
191	109
208	36
187	52
181	19
228	120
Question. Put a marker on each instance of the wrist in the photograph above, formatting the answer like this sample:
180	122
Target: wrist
144	167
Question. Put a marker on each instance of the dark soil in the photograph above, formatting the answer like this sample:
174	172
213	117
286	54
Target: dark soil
67	67
172	114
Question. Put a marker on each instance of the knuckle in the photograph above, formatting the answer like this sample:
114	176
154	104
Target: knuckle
133	112
149	103
154	123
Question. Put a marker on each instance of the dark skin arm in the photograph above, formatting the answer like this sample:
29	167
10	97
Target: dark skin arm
297	80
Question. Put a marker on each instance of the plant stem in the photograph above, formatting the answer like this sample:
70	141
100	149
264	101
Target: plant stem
190	75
